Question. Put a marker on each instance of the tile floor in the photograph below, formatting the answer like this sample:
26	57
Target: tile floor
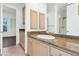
13	51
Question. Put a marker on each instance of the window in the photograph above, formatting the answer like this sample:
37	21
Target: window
5	24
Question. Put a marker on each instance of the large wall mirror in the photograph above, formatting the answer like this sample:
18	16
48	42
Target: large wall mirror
67	18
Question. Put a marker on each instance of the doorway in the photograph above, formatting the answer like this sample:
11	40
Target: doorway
9	29
9	26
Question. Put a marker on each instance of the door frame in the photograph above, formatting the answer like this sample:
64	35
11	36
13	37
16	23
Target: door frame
9	6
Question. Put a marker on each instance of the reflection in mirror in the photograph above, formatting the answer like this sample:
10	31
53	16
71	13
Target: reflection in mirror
62	25
57	18
63	18
62	13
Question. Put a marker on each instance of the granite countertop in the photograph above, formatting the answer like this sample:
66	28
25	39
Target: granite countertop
68	44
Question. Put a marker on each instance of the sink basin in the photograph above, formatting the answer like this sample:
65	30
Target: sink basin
45	36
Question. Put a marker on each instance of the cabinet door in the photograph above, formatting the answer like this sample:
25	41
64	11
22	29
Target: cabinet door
22	39
33	19
30	46
56	52
40	49
41	21
37	48
53	51
44	49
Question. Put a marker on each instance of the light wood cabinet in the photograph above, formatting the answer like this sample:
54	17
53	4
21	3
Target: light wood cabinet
30	46
55	52
37	48
41	21
33	19
37	20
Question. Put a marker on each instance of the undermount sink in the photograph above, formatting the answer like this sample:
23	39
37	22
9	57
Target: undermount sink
42	36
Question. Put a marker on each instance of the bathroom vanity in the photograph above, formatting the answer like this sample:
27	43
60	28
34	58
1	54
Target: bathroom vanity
59	46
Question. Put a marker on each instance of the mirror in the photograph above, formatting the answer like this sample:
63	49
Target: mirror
63	18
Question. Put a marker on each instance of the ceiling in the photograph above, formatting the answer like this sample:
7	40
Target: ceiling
11	10
17	5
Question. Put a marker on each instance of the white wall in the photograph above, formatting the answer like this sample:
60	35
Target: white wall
72	20
55	11
18	23
11	24
63	12
51	18
52	11
38	6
